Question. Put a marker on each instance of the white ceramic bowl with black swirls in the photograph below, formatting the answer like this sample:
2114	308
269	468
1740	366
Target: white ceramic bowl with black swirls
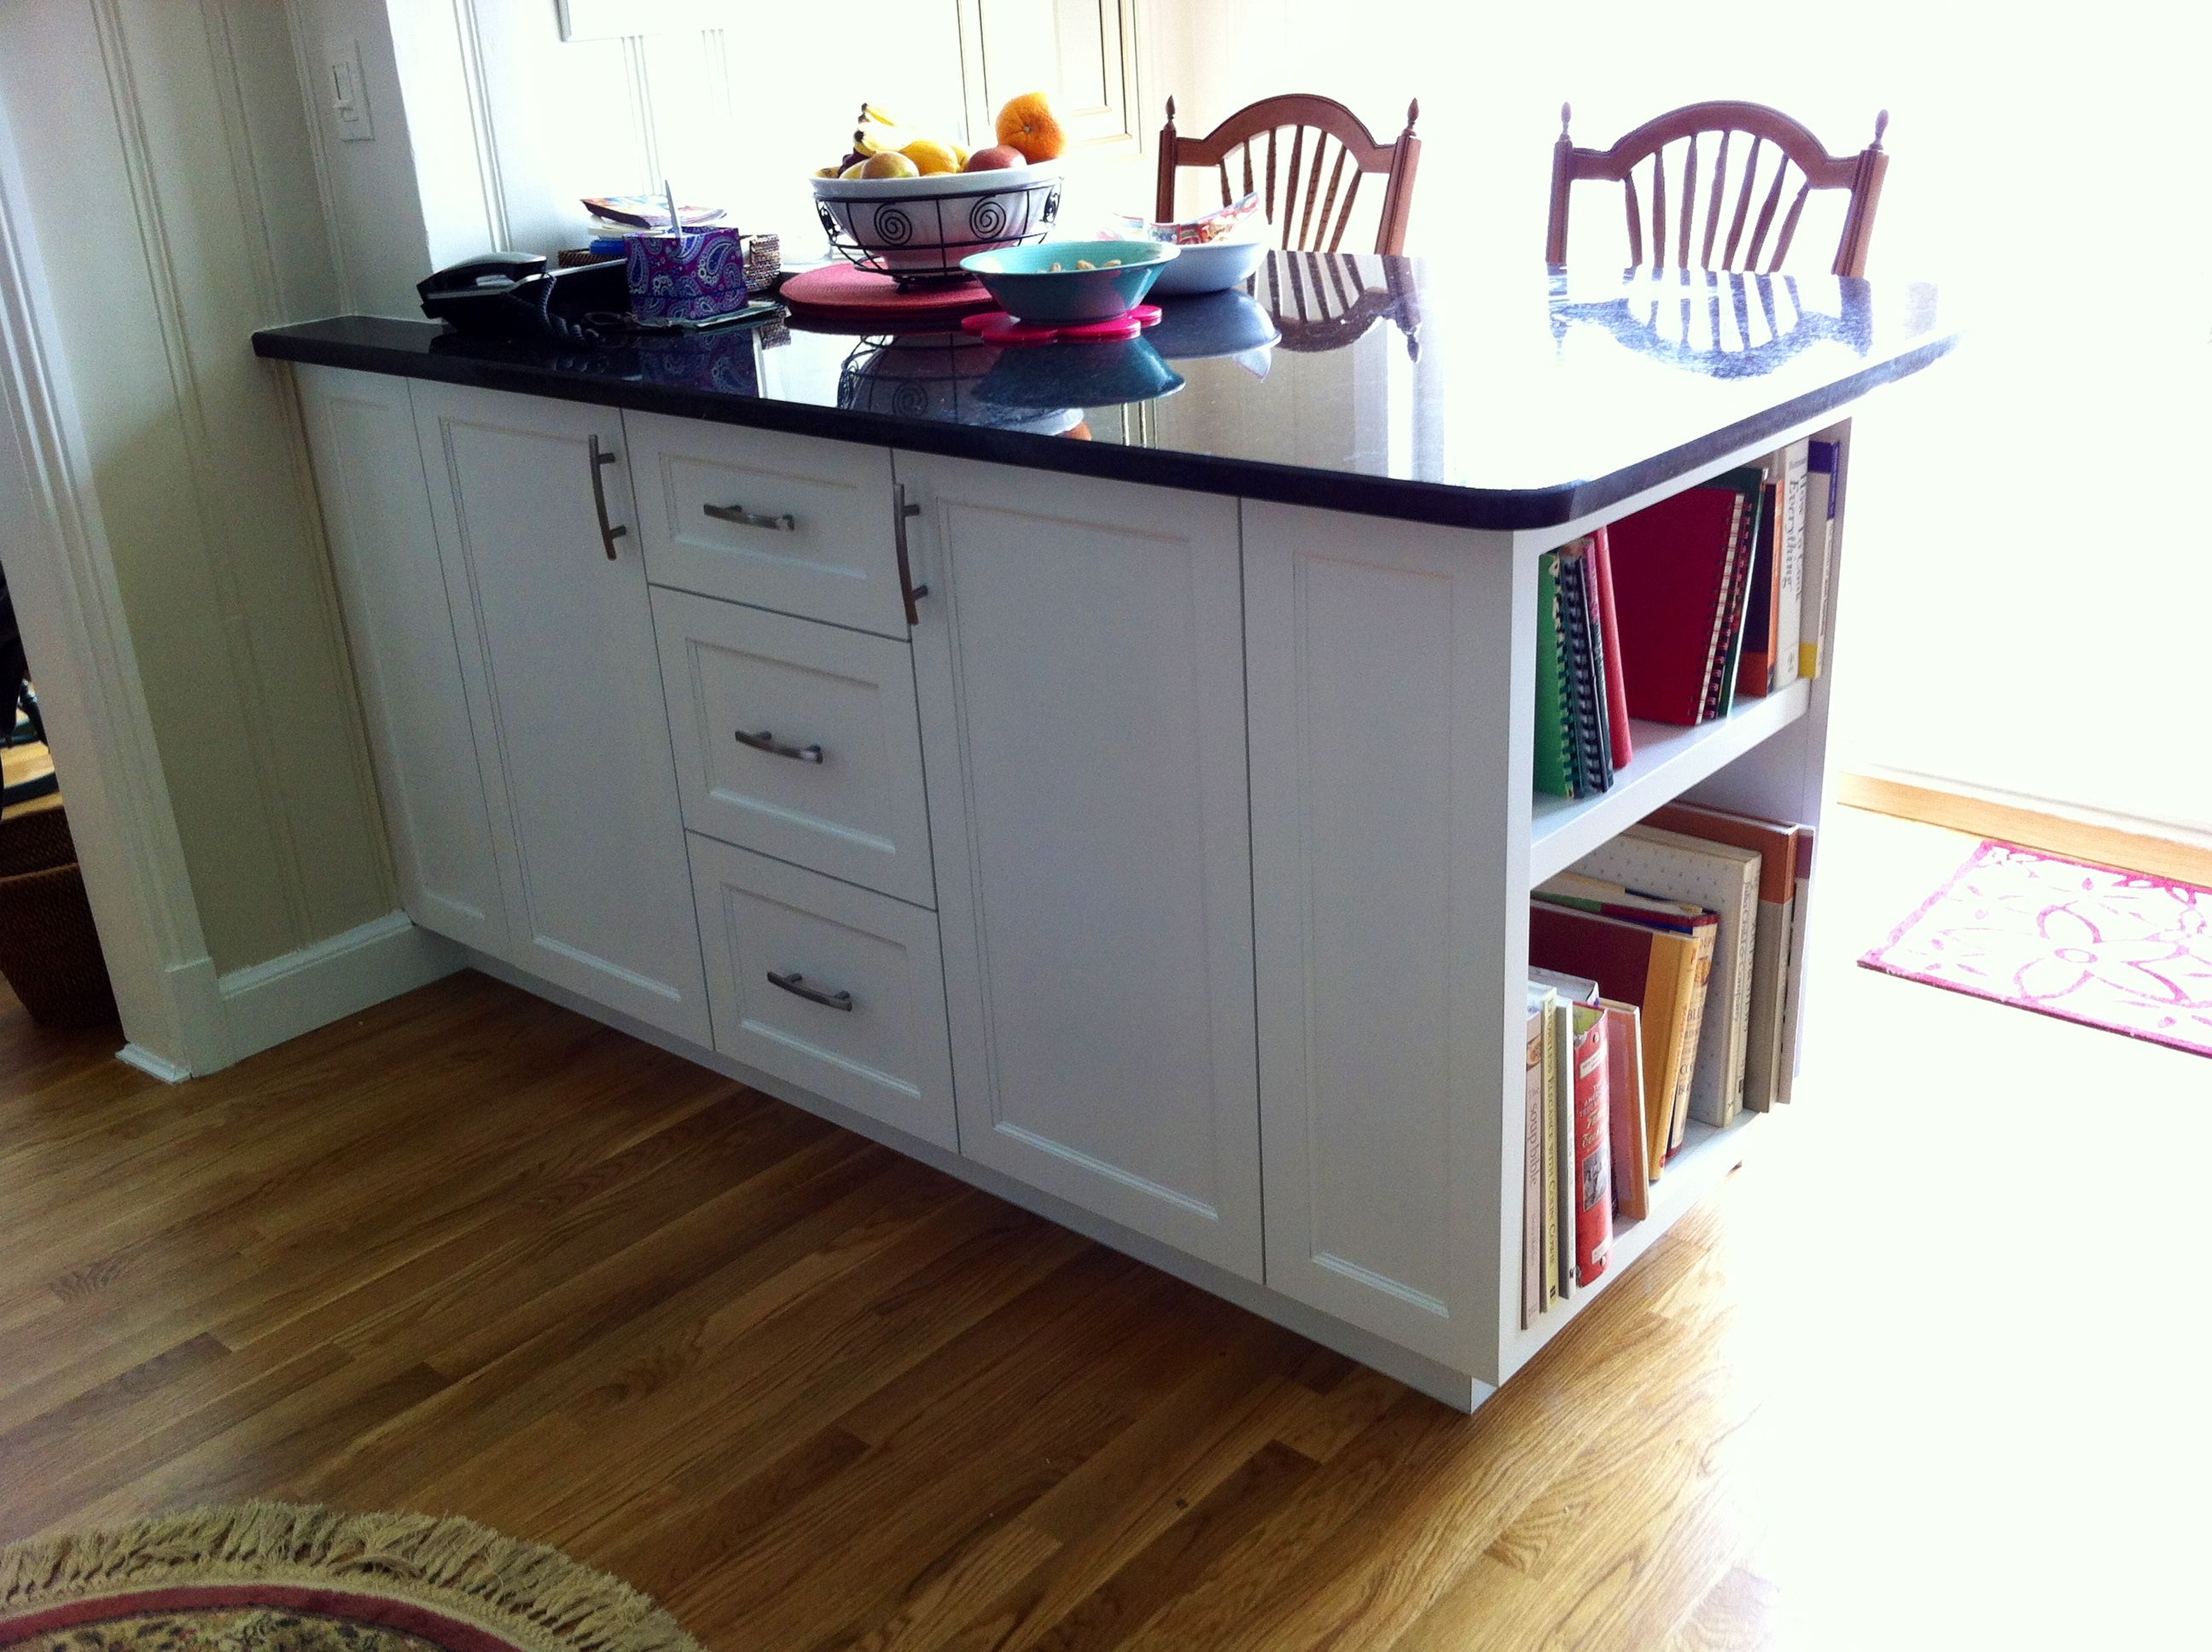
919	227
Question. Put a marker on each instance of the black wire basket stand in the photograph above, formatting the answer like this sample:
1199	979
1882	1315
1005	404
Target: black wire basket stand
918	240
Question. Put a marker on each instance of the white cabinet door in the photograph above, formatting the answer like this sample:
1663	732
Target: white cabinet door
835	988
797	739
556	647
1391	733
1079	665
384	548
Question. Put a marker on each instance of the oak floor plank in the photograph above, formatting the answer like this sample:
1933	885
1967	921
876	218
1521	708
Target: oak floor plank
468	1253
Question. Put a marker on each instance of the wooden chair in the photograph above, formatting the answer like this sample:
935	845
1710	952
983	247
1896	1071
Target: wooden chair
1775	141
1324	118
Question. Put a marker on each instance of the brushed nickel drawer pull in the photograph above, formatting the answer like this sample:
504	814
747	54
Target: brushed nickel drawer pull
786	523
608	532
909	593
766	741
795	984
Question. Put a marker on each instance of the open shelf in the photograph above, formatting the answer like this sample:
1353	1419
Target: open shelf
1709	1153
1668	761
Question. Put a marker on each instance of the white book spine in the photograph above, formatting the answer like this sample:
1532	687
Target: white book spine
1789	569
1724	880
1819	563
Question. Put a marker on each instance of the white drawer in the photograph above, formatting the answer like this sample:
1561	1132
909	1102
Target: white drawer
878	1044
797	739
820	544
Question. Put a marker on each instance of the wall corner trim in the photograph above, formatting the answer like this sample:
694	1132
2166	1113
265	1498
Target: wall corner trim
267	1003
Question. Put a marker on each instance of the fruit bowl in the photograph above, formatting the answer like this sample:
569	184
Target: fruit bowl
1050	283
918	229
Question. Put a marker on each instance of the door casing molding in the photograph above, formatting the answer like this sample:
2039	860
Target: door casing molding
61	573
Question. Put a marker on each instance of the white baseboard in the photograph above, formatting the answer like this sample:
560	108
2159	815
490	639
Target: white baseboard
2175	831
268	1003
136	1055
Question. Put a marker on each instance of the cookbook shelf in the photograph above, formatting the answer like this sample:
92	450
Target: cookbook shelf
1668	762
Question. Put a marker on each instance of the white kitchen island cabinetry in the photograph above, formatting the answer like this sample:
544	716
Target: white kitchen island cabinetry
1141	829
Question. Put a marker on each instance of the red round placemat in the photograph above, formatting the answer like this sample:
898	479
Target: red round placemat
1000	328
843	292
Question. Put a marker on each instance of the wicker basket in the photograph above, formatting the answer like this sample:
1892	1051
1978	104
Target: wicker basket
49	951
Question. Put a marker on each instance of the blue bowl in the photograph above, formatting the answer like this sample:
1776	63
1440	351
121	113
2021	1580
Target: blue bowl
1047	282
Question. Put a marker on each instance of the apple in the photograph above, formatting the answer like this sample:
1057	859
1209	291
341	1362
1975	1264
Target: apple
997	158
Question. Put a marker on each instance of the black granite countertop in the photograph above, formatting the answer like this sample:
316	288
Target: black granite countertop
1390	386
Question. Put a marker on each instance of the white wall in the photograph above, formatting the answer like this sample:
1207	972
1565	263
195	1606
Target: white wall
167	184
2030	589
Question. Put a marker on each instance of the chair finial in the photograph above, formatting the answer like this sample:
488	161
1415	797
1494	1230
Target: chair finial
1566	114
1881	126
1413	113
1171	109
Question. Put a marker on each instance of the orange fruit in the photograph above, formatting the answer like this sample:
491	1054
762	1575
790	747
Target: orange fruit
1027	123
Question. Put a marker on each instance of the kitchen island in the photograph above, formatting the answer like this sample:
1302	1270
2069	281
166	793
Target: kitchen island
1103	771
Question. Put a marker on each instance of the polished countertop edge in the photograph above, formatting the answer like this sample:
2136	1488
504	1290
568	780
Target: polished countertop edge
1436	504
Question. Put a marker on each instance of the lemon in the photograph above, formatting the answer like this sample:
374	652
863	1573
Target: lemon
931	157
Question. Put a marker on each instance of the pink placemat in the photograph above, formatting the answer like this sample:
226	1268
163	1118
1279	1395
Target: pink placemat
2121	950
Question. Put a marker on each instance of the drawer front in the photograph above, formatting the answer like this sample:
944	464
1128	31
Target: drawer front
821	541
878	1043
797	739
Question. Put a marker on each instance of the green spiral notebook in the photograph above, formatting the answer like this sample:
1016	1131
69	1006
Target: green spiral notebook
1558	771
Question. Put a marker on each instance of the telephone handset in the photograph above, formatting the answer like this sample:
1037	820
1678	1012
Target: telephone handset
514	295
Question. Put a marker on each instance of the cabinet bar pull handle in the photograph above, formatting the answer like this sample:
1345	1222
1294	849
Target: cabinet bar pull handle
786	523
795	984
909	593
766	741
608	532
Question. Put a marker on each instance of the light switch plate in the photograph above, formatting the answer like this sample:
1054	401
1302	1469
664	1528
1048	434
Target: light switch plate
345	92
604	20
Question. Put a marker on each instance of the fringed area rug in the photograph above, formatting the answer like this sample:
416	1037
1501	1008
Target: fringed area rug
2117	950
271	1577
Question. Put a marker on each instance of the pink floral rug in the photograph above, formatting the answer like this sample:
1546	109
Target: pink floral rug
2117	950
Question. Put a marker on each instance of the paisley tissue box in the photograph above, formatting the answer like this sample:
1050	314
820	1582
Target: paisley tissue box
695	277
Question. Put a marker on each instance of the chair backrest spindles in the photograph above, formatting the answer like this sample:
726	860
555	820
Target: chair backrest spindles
1309	203
1718	188
1773	224
1766	214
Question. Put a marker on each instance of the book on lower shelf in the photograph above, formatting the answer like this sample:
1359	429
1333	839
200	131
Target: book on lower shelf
1663	973
1714	879
1591	1187
1775	845
1582	1064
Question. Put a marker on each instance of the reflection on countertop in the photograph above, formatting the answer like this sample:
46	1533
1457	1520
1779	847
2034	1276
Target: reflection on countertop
1389	385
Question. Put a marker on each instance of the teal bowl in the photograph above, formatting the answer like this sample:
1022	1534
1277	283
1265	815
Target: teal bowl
1044	283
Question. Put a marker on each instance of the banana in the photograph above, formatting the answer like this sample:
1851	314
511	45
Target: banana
865	145
875	111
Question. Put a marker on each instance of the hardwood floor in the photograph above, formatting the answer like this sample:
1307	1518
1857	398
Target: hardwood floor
471	1254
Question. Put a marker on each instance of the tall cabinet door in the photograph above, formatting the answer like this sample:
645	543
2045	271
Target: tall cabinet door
1392	670
1079	660
384	549
556	647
